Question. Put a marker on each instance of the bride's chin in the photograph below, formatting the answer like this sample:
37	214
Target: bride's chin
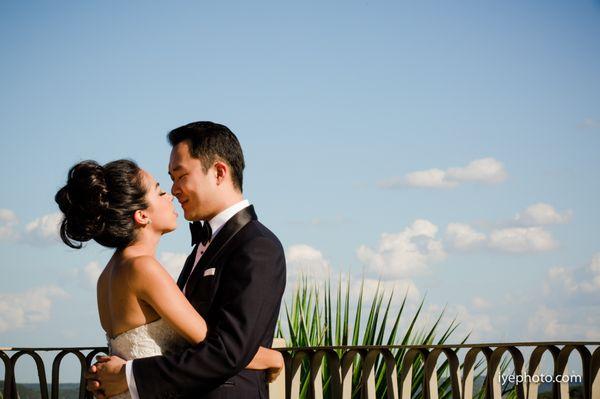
169	230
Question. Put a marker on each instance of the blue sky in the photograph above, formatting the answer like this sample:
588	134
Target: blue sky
447	148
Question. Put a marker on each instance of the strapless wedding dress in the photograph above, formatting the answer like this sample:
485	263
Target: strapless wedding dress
152	339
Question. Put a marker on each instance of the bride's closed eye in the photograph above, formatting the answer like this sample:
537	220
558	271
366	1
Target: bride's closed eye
160	192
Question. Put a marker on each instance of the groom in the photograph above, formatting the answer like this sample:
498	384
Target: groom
234	277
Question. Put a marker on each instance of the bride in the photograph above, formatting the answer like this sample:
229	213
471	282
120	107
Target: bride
141	308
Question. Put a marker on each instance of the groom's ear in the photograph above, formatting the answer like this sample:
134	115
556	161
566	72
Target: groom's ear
221	171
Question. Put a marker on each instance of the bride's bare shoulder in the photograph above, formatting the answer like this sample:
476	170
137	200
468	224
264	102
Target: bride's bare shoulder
104	277
142	263
145	269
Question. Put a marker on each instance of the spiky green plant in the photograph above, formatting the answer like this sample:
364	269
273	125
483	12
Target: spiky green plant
314	319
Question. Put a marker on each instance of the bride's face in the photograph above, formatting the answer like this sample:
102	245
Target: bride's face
161	210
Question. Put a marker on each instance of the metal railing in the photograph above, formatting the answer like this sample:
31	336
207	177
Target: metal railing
399	370
344	363
10	356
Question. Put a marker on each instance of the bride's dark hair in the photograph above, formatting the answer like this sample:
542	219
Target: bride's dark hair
98	202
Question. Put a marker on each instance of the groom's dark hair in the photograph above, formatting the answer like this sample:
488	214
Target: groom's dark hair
210	141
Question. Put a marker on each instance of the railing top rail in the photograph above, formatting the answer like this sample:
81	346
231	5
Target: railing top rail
78	348
358	347
451	346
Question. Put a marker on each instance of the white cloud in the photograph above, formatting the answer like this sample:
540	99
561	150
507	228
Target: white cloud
44	230
173	262
28	308
480	303
432	178
8	222
574	281
485	170
564	324
40	231
305	260
393	182
400	287
570	304
566	310
589	123
463	237
479	325
522	239
86	276
545	321
562	277
403	254
542	214
90	273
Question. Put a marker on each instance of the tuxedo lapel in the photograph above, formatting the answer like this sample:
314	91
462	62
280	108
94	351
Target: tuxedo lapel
220	241
187	268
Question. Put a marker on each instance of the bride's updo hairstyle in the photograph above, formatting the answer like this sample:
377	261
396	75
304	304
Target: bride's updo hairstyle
98	202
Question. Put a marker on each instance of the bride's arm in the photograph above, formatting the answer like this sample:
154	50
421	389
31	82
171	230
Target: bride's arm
151	283
266	359
269	360
154	285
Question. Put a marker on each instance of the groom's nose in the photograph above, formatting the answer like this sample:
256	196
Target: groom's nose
175	192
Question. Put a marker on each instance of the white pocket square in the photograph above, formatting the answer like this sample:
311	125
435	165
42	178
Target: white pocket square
209	272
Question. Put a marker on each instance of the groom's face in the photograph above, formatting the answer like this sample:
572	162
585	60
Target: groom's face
194	189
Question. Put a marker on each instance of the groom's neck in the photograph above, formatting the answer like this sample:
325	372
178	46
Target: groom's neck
227	201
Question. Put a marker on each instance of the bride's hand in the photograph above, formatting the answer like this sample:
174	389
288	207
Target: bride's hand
273	372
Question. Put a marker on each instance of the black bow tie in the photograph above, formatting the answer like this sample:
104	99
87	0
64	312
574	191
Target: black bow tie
201	232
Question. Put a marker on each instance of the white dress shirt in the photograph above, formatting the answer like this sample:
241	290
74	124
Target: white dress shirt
216	224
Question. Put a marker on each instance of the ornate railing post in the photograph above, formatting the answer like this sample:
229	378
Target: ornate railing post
56	371
493	380
561	368
39	363
431	376
534	367
347	372
595	375
469	370
8	374
407	371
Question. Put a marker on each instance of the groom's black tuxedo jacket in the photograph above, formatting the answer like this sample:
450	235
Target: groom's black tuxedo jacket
240	303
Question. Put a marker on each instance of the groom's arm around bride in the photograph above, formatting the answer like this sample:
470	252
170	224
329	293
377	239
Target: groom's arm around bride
243	316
